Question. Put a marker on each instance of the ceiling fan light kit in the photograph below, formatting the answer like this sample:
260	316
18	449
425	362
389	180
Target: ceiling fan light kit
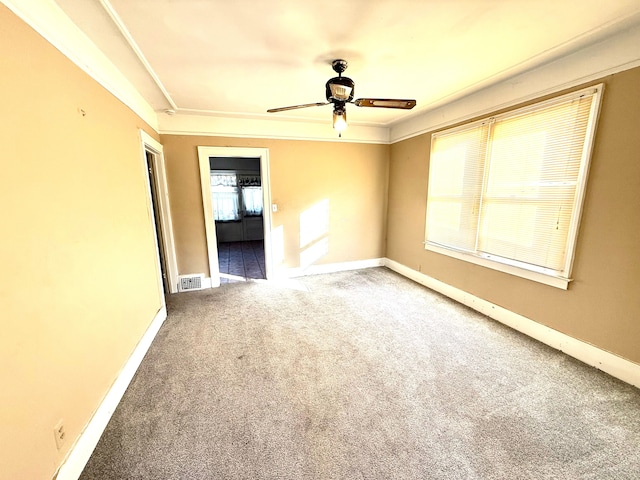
339	91
339	119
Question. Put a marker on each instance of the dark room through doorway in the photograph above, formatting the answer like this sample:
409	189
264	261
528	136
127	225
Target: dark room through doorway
238	212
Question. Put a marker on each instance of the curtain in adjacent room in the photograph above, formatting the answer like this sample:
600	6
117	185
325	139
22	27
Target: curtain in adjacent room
224	197
252	199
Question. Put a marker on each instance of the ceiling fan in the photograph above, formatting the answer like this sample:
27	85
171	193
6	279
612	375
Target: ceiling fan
339	92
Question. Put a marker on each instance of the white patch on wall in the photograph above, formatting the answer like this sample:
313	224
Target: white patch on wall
187	283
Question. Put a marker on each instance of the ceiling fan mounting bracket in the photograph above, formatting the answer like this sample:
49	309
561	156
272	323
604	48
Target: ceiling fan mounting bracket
339	66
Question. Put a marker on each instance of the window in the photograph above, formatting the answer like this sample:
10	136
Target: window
252	201
224	197
231	192
251	194
506	192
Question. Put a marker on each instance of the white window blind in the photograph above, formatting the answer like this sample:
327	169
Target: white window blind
455	186
509	188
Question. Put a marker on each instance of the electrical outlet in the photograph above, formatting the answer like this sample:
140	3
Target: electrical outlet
60	434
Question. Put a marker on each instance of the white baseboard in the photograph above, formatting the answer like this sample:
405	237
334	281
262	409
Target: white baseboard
83	448
333	267
287	273
614	365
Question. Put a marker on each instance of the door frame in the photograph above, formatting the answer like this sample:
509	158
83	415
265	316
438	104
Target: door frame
204	153
149	144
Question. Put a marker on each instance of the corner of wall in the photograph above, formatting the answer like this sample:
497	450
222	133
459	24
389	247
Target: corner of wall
616	366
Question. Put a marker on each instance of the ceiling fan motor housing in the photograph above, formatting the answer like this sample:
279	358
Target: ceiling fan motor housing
340	89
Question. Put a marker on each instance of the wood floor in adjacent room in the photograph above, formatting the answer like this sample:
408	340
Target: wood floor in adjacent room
240	261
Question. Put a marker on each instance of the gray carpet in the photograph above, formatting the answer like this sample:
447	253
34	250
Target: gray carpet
360	375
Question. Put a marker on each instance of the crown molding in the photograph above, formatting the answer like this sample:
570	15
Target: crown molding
616	53
224	126
50	21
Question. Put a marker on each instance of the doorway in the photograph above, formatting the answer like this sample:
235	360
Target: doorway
238	228
153	160
150	157
238	214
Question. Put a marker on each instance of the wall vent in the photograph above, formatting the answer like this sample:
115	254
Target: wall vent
190	282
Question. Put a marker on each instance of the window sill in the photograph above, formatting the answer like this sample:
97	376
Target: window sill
536	276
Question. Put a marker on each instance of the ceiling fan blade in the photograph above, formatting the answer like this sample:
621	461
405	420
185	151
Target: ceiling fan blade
385	103
293	107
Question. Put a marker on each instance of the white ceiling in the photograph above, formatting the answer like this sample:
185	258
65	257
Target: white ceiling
238	58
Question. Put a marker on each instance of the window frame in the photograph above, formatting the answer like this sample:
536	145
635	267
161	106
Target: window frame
513	267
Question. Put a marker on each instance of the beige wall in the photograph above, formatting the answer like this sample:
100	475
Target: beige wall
79	282
351	177
602	304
